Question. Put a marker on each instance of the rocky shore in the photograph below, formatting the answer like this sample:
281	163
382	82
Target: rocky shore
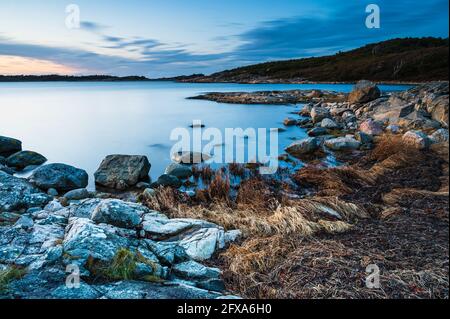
137	239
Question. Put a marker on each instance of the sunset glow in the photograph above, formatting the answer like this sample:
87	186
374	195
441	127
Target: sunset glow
15	65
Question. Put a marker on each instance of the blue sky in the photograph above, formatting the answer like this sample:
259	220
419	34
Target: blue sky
172	37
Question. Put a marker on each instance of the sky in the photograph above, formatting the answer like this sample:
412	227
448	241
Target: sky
162	38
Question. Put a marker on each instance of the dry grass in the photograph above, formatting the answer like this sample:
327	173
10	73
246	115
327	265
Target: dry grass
205	173
236	169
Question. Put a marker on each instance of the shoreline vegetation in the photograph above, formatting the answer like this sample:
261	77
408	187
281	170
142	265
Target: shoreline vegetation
309	233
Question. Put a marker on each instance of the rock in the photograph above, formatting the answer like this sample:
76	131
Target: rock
364	138
319	113
24	222
168	180
305	146
7	170
317	131
23	159
371	127
394	129
289	122
190	157
342	144
52	192
17	194
178	170
122	171
329	124
118	213
83	238
440	136
9	146
77	194
2	160
194	270
142	185
364	92
84	291
61	177
306	110
417	139
53	206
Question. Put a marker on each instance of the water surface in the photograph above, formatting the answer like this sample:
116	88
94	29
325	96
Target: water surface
80	123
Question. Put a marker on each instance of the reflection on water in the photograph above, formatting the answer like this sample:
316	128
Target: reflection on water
80	123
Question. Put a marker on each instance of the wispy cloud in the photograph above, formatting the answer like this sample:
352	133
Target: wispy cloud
342	28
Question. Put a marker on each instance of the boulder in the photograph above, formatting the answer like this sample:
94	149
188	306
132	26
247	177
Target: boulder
306	110
329	124
364	138
7	170
23	159
169	181
371	127
122	171
364	92
17	193
77	194
289	122
343	144
118	213
61	177
304	146
194	270
317	131
179	170
319	113
417	139
440	136
9	146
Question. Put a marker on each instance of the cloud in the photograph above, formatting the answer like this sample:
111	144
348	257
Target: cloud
340	28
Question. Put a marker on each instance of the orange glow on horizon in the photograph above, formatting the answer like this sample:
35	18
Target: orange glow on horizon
16	65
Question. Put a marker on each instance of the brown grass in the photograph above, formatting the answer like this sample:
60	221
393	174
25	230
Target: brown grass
236	169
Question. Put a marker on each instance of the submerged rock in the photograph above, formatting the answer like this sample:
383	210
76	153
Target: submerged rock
190	157
23	159
168	180
178	170
122	171
9	146
61	177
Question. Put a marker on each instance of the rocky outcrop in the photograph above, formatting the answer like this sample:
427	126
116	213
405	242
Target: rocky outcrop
122	171
61	177
23	159
364	92
162	256
17	194
9	146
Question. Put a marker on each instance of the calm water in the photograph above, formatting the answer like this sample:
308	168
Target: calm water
80	123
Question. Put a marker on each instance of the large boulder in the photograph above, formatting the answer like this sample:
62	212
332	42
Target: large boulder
23	159
303	147
168	181
61	177
9	146
364	92
122	171
329	124
416	139
17	193
343	144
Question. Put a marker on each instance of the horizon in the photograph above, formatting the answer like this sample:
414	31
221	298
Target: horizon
166	39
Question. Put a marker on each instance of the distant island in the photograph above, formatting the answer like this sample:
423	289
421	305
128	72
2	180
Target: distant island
397	60
68	78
